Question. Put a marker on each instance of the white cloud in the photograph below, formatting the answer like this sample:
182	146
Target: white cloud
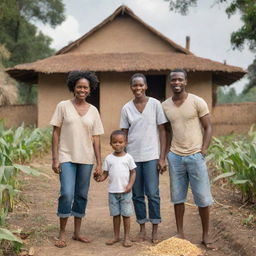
63	34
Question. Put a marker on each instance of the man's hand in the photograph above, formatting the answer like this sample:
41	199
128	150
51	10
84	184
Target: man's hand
162	166
204	152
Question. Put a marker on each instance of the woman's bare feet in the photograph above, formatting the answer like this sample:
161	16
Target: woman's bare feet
81	239
111	242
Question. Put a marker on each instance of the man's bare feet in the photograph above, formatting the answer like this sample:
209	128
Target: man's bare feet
111	242
180	235
81	239
208	242
209	245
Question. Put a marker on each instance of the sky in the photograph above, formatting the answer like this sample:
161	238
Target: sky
207	25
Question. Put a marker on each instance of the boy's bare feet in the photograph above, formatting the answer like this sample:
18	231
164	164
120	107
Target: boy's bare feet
127	243
111	242
81	239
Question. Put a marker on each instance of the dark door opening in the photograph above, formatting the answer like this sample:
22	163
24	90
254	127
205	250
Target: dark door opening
156	86
94	98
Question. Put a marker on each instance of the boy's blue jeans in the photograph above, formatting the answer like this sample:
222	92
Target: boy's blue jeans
74	186
147	183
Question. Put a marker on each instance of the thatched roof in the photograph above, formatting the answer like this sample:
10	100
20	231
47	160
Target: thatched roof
64	61
124	62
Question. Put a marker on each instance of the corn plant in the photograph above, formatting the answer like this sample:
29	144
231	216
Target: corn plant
17	146
236	158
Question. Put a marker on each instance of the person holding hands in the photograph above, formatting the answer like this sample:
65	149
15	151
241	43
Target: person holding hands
119	167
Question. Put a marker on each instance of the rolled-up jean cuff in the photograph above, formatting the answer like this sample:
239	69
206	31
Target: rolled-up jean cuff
206	205
142	221
64	215
78	215
179	202
155	221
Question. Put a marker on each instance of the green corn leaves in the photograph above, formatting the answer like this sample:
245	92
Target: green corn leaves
17	146
235	156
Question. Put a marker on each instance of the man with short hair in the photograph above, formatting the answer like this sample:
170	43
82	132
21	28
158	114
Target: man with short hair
191	131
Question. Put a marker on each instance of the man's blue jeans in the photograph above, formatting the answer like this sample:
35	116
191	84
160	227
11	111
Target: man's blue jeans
147	183
74	186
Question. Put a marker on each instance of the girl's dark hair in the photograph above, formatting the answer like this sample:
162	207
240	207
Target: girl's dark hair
74	76
138	75
118	132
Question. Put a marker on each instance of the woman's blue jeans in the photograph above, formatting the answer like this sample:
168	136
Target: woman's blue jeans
74	186
147	183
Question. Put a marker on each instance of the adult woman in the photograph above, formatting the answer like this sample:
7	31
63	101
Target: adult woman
75	143
143	118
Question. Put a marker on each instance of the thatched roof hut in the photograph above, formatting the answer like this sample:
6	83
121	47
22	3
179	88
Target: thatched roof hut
117	47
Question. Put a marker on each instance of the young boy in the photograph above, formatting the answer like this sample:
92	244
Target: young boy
120	168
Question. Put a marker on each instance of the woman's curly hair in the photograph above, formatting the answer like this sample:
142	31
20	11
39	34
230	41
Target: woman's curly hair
74	76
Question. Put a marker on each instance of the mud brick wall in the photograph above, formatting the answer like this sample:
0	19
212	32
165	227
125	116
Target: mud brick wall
233	118
14	115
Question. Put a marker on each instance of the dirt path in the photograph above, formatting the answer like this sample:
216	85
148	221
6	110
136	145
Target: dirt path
37	214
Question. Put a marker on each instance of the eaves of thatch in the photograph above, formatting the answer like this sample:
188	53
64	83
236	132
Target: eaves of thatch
223	74
64	61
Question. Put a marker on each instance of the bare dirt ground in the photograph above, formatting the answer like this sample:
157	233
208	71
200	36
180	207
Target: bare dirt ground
36	214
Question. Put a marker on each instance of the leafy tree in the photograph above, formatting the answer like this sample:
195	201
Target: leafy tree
20	35
228	95
8	90
251	77
246	34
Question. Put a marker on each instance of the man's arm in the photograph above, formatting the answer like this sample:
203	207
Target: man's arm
207	136
168	130
162	138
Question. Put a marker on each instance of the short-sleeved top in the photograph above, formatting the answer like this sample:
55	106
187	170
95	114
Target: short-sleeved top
143	136
118	168
187	135
76	142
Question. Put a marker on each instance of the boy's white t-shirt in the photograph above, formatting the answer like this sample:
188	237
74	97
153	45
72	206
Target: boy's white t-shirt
143	136
118	168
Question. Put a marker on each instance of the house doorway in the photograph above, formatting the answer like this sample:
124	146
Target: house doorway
156	86
94	97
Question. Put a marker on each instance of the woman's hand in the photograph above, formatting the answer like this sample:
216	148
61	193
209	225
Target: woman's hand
98	170
56	166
